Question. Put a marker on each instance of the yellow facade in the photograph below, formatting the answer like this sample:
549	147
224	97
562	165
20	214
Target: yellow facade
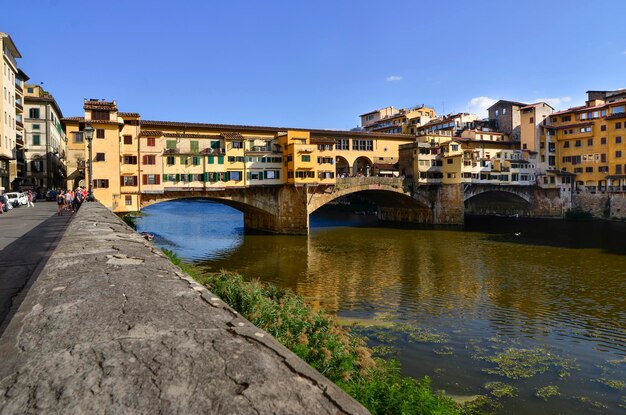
591	144
131	157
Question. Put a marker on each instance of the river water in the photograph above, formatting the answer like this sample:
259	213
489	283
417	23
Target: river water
530	303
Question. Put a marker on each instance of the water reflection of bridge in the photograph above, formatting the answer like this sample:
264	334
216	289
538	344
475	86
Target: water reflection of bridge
286	208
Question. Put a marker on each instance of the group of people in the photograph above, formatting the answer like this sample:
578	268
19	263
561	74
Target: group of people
70	200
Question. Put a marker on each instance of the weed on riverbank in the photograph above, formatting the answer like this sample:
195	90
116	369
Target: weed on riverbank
325	345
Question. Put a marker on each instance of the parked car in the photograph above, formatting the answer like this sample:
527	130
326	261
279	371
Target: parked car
15	199
51	195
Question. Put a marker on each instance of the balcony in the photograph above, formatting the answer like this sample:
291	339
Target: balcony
18	87
306	149
19	106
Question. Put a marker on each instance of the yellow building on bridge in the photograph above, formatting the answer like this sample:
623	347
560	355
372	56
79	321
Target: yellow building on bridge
133	157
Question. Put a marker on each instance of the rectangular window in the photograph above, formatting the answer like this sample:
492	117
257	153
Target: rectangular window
171	160
306	158
151	141
603	128
588	169
195	160
100	115
532	120
211	159
343	144
618	140
99	133
99	156
590	141
194	146
235	176
618	125
618	153
128	200
603	157
363	145
578	143
101	183
237	144
603	140
566	144
36	139
130	160
170	144
184	160
149	159
615	110
215	145
78	137
128	139
151	179
618	169
33	113
36	126
220	159
129	180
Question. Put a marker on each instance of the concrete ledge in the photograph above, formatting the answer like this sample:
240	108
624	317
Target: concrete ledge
111	326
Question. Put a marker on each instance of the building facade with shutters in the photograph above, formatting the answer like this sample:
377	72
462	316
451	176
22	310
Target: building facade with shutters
132	157
44	141
10	109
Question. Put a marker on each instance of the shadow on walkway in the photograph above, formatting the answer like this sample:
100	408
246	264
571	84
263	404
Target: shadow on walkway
21	263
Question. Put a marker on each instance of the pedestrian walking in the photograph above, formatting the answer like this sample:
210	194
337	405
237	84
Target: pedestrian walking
30	199
60	203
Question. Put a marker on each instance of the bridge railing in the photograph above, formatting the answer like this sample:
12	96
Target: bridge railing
397	182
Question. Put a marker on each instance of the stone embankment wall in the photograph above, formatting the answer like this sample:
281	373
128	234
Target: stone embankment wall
111	326
601	205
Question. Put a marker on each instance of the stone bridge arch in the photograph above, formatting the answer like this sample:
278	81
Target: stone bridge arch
521	192
389	186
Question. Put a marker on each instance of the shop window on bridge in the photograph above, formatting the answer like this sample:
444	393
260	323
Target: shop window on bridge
194	146
151	179
130	159
300	174
129	180
101	183
325	175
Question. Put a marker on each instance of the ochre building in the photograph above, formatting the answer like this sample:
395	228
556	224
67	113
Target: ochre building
132	157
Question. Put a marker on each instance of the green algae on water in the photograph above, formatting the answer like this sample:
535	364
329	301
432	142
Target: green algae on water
501	389
547	392
444	351
525	363
612	383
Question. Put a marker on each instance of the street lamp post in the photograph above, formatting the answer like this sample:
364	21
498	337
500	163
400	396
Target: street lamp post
88	132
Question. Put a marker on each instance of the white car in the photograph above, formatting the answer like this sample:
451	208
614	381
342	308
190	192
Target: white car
21	198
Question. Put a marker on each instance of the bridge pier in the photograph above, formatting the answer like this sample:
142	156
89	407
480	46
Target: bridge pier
289	215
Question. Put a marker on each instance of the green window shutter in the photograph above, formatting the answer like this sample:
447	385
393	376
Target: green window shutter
249	175
227	176
178	177
36	139
277	173
215	144
220	159
194	146
170	144
211	159
265	174
190	177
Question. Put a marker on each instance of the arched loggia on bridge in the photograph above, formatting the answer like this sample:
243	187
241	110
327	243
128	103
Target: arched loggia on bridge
363	166
342	167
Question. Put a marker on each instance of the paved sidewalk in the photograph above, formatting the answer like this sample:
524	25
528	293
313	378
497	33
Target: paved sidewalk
112	326
27	238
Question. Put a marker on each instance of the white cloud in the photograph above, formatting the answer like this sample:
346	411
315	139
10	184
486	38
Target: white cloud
555	102
479	105
624	52
393	78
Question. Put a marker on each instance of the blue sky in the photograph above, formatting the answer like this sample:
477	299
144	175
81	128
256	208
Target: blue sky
316	64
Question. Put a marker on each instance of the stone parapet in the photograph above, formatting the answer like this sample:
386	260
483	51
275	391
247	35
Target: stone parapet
111	326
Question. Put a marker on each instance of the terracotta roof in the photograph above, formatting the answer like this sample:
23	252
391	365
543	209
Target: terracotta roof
239	128
504	101
93	104
616	176
150	133
82	119
580	124
129	114
232	136
48	100
564	173
216	136
615	116
537	104
322	140
386	166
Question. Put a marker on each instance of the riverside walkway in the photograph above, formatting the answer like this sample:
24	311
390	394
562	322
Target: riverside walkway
111	326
